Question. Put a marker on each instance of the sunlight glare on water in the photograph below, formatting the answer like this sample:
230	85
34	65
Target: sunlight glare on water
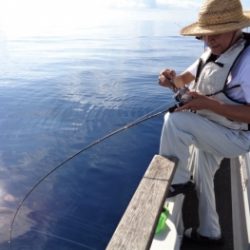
33	17
37	18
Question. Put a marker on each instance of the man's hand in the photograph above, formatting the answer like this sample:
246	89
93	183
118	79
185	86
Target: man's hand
198	102
240	113
166	78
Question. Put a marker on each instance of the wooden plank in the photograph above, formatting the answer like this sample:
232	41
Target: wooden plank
137	226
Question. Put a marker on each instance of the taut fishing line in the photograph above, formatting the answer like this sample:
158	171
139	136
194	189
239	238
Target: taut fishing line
141	119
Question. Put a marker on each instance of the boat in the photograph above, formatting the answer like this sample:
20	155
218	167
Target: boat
232	191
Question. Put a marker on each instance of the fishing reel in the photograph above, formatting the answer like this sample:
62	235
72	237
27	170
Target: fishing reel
182	97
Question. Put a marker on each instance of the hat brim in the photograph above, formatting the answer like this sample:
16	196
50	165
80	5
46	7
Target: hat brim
196	30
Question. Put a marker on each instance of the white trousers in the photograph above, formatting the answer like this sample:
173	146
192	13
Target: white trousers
212	143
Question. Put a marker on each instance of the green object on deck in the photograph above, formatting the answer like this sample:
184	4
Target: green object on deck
162	221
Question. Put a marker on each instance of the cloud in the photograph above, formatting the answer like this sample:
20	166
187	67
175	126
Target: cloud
151	3
131	3
179	4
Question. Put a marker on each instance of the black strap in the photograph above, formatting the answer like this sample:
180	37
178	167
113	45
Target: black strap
199	68
247	37
201	65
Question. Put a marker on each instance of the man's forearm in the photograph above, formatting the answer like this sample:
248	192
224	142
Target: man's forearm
240	113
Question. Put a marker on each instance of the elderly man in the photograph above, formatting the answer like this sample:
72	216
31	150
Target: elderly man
217	116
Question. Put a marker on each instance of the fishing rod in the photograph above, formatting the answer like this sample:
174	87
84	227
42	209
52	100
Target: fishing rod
170	108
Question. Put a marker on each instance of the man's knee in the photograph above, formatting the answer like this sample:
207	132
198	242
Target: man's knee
172	117
176	119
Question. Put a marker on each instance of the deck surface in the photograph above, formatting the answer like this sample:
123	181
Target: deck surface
224	208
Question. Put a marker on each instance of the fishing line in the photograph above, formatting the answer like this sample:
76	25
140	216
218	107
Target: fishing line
141	119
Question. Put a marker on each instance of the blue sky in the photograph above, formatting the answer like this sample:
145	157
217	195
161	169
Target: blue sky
27	16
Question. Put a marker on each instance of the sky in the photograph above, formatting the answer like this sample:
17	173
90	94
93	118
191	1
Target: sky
27	16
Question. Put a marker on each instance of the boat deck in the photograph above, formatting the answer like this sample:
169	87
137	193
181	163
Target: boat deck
224	208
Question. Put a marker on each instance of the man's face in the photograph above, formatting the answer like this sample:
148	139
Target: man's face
219	43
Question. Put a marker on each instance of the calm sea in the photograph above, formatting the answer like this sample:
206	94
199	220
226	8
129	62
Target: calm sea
59	93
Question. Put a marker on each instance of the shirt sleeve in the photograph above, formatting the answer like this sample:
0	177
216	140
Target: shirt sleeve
242	75
246	82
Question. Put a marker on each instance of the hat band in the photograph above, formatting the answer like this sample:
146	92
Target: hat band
216	24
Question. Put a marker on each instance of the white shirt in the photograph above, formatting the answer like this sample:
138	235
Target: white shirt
240	75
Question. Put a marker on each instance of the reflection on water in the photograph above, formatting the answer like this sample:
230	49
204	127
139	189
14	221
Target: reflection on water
58	94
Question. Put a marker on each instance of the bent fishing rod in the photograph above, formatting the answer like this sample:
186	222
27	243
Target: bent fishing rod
170	108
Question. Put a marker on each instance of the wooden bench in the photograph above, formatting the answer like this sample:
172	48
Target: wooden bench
137	226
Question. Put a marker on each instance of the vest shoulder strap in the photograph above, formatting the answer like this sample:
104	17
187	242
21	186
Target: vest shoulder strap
246	37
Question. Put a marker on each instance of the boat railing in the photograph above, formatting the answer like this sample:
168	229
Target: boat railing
240	186
138	224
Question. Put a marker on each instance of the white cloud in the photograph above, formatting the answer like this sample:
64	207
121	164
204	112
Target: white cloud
173	4
130	3
179	4
151	3
20	18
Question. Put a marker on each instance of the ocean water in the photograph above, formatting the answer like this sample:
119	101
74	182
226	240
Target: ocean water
58	94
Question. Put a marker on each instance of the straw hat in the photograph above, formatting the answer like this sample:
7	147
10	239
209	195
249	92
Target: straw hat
217	16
